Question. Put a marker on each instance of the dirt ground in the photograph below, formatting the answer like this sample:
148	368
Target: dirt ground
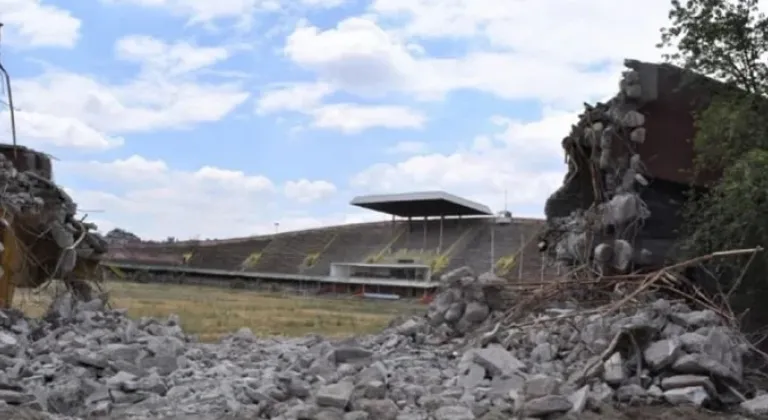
211	312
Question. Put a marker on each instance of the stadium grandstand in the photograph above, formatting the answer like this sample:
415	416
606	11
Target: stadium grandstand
430	233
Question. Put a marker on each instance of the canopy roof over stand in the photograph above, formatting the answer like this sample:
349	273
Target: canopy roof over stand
422	204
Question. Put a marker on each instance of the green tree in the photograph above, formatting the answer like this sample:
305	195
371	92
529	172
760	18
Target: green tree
725	39
728	41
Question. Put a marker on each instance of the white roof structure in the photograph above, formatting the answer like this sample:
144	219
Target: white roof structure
422	204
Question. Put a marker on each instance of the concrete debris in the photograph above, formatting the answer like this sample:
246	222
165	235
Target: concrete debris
118	237
605	139
90	361
34	205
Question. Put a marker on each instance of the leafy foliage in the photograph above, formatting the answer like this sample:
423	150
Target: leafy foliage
732	125
728	40
725	39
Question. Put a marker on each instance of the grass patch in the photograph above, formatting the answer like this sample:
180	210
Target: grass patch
211	312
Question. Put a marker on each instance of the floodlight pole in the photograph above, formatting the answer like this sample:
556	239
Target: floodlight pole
493	246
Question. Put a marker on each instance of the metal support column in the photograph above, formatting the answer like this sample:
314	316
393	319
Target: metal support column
410	227
440	241
424	242
493	248
521	257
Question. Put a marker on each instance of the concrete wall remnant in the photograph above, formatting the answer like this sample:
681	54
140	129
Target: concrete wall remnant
630	162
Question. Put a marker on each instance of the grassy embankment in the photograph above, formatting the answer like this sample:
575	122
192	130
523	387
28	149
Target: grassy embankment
211	312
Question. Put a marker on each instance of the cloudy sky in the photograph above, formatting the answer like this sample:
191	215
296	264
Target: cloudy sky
202	118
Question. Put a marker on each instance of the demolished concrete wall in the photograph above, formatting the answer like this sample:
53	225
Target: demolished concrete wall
630	163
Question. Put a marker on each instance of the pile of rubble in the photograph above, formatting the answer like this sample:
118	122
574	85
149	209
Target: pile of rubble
606	169
84	361
40	210
121	237
464	301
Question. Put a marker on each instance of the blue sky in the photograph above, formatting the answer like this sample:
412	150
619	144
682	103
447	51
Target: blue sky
193	118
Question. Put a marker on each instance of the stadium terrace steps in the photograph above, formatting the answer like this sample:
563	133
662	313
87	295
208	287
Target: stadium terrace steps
467	241
508	240
287	253
226	256
155	255
353	245
412	243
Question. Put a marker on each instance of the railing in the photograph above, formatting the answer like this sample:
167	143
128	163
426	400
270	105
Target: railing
243	275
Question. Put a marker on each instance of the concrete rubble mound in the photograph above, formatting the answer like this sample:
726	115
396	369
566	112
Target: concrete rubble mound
83	360
42	215
608	209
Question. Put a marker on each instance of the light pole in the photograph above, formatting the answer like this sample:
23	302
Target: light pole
493	247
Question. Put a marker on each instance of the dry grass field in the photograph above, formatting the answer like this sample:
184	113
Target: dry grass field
211	312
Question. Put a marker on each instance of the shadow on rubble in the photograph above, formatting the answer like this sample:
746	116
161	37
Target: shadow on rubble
659	413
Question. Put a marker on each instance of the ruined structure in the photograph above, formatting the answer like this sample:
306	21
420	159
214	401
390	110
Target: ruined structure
84	361
121	237
630	162
41	237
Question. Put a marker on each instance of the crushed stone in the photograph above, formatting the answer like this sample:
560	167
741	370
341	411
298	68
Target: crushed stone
84	360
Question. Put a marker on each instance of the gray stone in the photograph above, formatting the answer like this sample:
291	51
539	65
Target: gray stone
474	376
579	399
375	390
350	354
380	409
661	354
630	393
633	119
356	415
695	395
9	345
454	412
410	327
455	312
476	312
336	395
543	353
696	319
544	406
613	369
497	360
15	397
686	381
757	406
540	386
699	364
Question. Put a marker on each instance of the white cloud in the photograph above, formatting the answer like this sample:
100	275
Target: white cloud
408	148
43	130
524	159
570	32
206	11
154	200
168	59
300	97
557	54
306	191
31	23
150	198
353	119
67	109
361	57
349	118
328	4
